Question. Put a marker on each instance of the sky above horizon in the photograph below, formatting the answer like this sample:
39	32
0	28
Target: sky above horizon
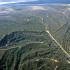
47	1
16	0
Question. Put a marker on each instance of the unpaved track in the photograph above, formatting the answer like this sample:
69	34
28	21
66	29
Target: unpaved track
67	54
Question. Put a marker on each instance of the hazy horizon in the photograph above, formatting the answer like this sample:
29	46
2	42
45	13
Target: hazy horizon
38	1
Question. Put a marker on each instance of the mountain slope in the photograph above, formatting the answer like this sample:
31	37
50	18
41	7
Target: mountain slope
21	37
19	58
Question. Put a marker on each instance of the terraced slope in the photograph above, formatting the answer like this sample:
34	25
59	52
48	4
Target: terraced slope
22	37
42	55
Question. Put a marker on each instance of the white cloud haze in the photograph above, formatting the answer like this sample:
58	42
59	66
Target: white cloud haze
16	0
